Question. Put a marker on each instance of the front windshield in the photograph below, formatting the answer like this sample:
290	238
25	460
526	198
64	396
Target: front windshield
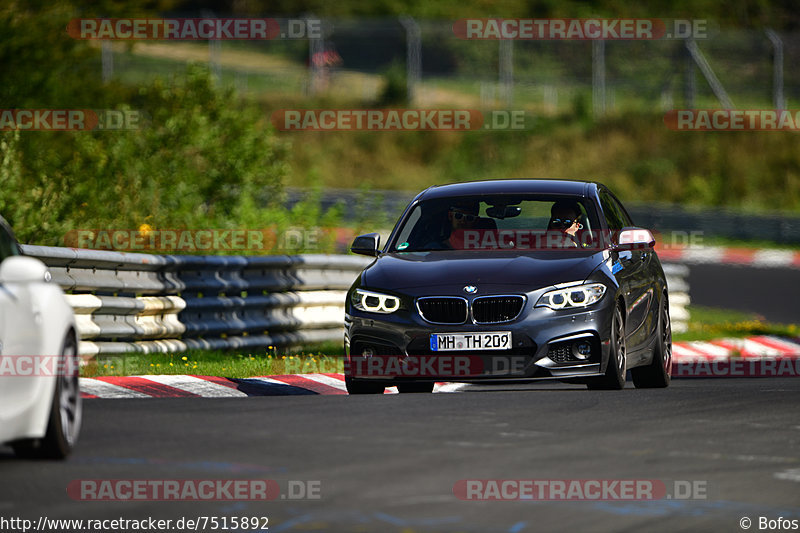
499	222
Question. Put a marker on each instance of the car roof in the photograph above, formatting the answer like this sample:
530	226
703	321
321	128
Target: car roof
529	186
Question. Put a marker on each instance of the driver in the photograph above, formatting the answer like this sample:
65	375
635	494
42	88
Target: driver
461	216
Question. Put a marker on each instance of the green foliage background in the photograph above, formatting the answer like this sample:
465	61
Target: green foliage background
209	158
205	158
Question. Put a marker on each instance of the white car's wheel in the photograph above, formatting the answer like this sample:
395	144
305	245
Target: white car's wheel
64	423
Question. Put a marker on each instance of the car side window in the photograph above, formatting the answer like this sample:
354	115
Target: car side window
621	213
614	219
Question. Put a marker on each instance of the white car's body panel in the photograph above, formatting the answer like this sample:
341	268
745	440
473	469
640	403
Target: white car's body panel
35	320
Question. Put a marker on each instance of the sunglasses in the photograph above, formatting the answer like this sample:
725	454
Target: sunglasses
564	222
458	215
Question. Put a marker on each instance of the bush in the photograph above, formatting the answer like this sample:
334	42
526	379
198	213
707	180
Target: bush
200	161
395	90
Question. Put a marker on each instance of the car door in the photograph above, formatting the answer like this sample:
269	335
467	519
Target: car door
18	336
633	276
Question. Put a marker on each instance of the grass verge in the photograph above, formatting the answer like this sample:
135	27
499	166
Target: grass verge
708	323
324	357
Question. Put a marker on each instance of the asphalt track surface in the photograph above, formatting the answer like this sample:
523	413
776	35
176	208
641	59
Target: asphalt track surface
389	463
773	293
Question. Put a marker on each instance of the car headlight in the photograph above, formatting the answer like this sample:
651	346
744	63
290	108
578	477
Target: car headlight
571	297
374	302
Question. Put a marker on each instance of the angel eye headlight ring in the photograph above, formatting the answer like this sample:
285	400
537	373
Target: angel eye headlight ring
375	302
572	297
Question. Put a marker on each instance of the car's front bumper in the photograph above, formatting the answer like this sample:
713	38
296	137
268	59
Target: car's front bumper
542	346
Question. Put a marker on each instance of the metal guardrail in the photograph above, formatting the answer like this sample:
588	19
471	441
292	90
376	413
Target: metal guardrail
141	303
128	302
678	290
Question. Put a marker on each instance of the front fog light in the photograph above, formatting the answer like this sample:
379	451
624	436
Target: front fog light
582	350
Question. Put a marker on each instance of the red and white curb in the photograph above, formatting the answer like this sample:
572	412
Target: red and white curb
180	386
761	346
759	356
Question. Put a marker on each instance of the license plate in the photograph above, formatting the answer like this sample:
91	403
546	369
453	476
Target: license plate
450	342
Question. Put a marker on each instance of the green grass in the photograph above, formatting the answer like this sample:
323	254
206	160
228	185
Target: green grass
708	323
324	357
139	70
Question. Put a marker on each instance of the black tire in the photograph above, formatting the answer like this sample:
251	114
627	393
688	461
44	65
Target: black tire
415	387
64	423
614	378
658	373
355	386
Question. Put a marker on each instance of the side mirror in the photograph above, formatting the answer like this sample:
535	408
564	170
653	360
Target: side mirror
22	269
366	244
635	239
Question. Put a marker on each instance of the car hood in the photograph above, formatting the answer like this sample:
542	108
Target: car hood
449	271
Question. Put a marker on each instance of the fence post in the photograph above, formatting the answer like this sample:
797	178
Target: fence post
107	58
599	77
777	70
689	77
716	86
413	55
214	47
316	46
507	70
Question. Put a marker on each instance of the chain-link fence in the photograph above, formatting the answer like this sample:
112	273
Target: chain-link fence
353	59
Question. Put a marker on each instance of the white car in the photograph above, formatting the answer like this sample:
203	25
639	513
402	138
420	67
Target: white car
40	400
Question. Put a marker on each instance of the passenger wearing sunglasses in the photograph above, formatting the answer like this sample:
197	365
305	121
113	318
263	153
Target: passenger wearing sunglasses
565	217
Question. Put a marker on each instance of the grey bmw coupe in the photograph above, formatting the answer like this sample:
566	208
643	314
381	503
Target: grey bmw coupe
509	280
